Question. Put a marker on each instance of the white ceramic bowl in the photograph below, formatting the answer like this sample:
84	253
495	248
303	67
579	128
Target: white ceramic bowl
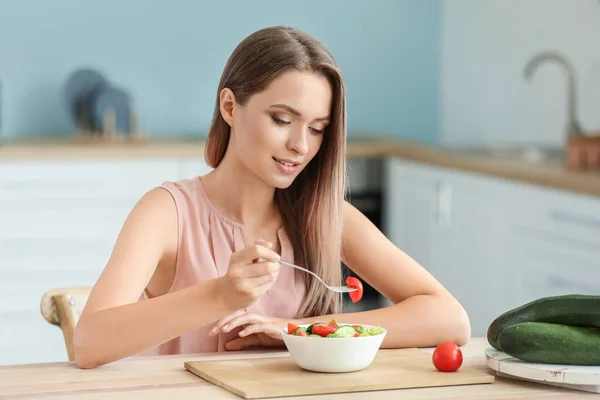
322	354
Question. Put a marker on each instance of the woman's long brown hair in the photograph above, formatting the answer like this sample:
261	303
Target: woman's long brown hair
312	206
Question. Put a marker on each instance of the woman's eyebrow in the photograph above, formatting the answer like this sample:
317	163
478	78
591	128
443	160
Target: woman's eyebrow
296	112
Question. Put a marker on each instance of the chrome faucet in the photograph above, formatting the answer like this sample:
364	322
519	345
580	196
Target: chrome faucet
574	127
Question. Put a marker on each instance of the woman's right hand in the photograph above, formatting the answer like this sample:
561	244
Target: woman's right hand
252	271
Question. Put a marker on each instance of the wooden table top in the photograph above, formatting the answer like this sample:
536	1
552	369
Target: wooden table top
165	377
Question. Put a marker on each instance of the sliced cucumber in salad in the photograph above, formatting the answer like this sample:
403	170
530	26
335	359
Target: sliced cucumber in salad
331	329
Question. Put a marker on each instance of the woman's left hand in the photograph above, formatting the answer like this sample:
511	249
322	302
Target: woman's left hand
258	330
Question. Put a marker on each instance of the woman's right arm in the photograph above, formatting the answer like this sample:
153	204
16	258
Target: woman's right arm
114	324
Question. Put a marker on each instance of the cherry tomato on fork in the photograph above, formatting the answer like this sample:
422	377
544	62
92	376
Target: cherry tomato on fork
356	295
447	357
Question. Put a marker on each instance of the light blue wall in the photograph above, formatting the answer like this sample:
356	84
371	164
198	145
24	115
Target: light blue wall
170	53
487	44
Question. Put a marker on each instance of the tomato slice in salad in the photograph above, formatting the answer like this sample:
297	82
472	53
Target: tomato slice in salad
355	295
324	329
292	328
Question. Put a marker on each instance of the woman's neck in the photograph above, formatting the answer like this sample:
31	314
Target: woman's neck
240	195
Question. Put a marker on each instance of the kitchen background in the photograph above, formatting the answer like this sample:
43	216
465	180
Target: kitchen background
473	185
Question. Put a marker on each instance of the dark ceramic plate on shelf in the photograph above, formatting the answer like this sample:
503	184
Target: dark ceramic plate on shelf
116	100
79	91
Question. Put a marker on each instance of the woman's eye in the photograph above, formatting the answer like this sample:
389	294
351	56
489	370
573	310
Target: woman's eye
280	121
283	122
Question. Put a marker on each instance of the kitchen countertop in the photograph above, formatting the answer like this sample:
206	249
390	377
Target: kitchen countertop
550	173
165	377
66	147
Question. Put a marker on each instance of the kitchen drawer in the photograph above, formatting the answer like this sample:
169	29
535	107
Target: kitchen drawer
554	280
21	327
25	336
83	178
87	220
69	199
24	332
82	244
38	270
21	289
543	269
64	172
559	216
575	228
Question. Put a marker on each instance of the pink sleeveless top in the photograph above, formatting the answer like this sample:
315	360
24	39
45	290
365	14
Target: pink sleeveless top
207	240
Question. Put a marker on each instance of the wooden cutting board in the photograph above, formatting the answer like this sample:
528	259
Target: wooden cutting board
586	378
280	376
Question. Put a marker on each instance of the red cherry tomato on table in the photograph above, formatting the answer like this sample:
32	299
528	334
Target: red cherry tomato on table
447	357
355	295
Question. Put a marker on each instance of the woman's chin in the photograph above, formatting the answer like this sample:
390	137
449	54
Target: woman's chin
281	185
281	182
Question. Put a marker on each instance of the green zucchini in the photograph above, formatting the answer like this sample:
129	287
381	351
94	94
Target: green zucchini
543	342
570	309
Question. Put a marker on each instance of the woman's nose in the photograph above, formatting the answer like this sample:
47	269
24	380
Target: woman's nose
298	141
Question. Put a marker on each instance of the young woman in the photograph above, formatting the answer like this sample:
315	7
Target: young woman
195	267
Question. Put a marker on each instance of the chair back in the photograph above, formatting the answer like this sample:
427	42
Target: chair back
63	307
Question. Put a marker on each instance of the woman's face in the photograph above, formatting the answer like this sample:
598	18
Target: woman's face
279	131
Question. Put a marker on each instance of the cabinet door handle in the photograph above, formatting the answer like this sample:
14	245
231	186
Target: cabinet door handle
443	206
572	218
560	282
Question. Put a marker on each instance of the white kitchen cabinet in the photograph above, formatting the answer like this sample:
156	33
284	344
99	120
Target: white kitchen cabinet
59	220
408	215
550	269
494	243
472	249
454	229
555	243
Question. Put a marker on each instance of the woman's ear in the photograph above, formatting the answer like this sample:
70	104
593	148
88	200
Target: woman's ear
227	105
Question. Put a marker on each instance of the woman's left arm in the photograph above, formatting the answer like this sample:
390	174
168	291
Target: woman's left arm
424	312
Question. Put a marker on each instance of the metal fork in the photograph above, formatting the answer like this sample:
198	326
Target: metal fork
340	289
